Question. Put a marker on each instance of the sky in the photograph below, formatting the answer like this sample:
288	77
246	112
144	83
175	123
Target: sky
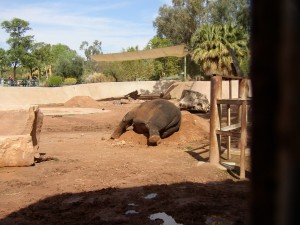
118	24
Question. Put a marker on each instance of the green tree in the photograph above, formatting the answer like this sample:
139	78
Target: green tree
129	70
165	66
66	62
42	54
137	69
179	21
37	58
91	66
30	61
70	67
4	63
229	11
112	69
211	45
18	42
91	49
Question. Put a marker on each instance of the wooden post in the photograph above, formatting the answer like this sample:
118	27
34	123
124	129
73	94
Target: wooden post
243	139
243	88
243	92
215	93
184	68
229	121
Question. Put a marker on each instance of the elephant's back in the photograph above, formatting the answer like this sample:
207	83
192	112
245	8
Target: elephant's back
158	104
156	108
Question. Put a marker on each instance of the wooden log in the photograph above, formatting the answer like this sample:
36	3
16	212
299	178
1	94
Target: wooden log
229	121
243	140
216	93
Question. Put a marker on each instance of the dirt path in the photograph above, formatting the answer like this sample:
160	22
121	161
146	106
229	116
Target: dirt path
87	178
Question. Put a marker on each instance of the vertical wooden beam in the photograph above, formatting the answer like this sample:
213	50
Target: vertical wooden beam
184	68
216	93
243	88
243	93
229	121
243	140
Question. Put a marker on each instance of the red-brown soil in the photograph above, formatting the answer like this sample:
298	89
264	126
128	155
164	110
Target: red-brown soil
87	178
82	101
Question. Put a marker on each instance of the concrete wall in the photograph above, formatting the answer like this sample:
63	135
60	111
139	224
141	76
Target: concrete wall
98	91
203	87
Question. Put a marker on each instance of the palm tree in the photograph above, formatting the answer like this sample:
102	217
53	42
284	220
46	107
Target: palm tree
211	44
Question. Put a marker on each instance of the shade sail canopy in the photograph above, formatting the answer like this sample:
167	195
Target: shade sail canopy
177	51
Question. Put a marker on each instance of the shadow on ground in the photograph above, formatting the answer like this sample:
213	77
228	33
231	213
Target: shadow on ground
188	203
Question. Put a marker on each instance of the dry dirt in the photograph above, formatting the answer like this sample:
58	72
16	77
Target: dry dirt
87	178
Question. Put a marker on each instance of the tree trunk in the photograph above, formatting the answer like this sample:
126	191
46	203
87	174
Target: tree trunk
15	71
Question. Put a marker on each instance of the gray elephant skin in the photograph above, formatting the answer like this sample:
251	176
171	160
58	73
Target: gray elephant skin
157	119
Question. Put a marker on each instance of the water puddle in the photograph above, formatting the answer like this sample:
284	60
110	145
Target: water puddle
150	196
131	212
168	220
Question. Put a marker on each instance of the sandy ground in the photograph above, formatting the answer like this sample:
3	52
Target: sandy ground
87	178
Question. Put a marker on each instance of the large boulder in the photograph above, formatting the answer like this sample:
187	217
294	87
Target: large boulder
193	101
20	129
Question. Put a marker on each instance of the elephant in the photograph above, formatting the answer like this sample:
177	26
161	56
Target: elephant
157	118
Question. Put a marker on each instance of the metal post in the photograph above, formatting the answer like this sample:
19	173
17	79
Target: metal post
216	93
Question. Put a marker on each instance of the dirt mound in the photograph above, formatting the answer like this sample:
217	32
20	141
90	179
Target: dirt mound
193	128
82	101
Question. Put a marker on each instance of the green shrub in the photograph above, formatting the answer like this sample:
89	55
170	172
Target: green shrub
70	81
54	81
98	77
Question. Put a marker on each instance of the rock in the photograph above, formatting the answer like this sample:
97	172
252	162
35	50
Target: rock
20	129
193	100
16	150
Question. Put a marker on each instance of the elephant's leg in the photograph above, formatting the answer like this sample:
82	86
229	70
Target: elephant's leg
171	128
170	131
154	137
123	125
